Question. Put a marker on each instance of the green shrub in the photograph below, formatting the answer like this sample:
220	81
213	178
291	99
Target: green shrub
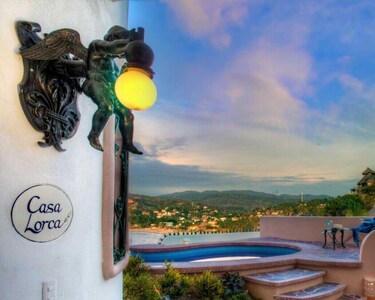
347	205
138	283
136	266
207	286
174	284
368	201
234	287
142	287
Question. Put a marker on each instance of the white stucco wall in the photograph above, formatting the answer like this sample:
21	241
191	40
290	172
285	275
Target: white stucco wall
74	259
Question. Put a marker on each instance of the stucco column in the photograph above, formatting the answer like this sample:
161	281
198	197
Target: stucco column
71	263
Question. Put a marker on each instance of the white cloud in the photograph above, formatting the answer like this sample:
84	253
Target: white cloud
289	64
260	86
351	114
351	82
261	100
207	19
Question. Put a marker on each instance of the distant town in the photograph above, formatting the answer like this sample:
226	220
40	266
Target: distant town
186	216
214	211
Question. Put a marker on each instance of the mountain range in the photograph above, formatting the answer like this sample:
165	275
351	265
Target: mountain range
245	199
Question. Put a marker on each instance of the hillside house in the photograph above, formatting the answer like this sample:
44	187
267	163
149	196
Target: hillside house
367	184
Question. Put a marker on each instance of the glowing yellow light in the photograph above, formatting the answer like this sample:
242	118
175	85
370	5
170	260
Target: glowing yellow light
135	89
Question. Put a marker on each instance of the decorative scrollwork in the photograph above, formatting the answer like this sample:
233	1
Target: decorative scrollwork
48	91
119	230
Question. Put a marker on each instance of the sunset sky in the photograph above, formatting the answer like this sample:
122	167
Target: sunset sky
274	96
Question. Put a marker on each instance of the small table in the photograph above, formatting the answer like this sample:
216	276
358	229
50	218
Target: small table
331	232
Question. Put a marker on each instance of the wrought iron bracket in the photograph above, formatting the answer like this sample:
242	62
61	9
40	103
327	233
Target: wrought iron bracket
48	90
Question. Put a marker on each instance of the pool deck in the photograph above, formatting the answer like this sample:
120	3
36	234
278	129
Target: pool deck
310	254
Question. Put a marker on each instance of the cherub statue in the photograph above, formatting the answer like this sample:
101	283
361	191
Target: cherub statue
99	85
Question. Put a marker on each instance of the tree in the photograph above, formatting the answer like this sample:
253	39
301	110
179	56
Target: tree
348	205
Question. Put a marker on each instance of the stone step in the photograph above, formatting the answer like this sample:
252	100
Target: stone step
328	291
352	297
284	277
266	285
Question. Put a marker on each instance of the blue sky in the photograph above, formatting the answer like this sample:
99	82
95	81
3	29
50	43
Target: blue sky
274	96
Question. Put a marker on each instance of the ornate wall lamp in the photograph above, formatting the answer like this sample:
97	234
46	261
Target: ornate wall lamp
58	67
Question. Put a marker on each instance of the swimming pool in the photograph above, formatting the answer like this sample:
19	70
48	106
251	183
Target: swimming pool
220	252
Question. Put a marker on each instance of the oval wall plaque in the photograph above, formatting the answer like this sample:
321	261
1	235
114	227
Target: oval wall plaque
42	213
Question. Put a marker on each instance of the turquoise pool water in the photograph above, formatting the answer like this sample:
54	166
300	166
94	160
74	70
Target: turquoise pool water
214	252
